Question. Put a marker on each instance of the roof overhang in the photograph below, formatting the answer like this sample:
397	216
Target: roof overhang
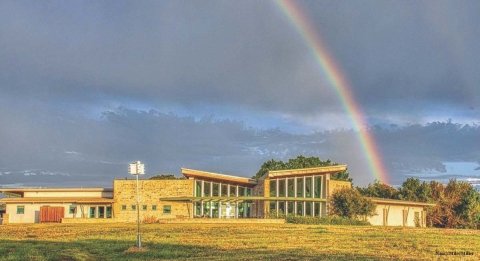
240	199
70	200
19	192
191	173
306	171
400	202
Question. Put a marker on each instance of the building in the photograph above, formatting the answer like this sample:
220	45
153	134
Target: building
202	195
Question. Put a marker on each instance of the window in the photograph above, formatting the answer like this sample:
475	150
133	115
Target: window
216	190
124	207
198	188
154	207
134	207
167	209
144	207
93	212
299	187
291	188
233	191
72	210
206	189
317	187
281	188
109	212
20	209
273	188
224	190
308	187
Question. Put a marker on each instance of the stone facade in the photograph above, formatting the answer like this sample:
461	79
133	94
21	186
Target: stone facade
151	208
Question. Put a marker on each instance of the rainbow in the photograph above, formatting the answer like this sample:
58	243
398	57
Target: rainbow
339	82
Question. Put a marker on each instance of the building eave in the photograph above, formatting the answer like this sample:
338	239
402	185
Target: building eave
191	173
306	171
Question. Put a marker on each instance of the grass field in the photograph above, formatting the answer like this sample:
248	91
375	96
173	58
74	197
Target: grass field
234	242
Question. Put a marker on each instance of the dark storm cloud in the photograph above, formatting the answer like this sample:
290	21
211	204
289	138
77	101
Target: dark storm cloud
64	63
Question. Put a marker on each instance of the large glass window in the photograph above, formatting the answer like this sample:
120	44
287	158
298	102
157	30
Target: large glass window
243	191
290	207
299	187
215	211
290	188
281	207
308	187
317	211
93	212
198	188
273	206
198	208
299	208
216	190
273	188
248	209
109	212
72	210
241	209
281	187
249	192
20	209
318	186
101	212
308	208
206	209
224	190
233	191
206	189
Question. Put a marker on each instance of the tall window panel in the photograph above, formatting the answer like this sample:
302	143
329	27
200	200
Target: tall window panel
273	188
216	190
318	187
291	188
281	188
299	187
308	187
206	189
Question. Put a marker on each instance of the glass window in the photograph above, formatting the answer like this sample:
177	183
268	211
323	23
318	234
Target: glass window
224	190
308	208
101	212
281	207
241	209
273	188
93	211
273	205
291	188
72	210
281	188
144	207
134	207
216	190
243	191
308	187
154	207
124	207
206	189
215	209
198	208
299	208
233	191
317	186
290	207
317	211
299	187
206	209
109	212
20	209
249	192
198	188
167	209
249	209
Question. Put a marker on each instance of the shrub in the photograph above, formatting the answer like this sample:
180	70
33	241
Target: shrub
307	220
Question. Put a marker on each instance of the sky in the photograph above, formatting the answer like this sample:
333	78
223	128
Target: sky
86	87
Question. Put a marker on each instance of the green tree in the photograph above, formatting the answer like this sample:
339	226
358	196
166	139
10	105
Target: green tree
349	203
379	190
165	176
413	190
300	162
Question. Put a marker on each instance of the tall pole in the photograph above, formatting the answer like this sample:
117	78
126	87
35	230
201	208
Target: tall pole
138	216
136	169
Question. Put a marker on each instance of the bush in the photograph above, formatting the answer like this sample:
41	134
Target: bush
307	220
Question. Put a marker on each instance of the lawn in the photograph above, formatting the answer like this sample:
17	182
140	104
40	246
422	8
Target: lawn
234	242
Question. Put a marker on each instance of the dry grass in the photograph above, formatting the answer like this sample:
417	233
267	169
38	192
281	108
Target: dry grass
233	242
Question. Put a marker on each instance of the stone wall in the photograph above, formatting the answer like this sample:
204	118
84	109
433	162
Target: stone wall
262	189
150	193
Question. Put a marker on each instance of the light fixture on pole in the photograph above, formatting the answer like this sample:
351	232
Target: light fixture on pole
136	169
